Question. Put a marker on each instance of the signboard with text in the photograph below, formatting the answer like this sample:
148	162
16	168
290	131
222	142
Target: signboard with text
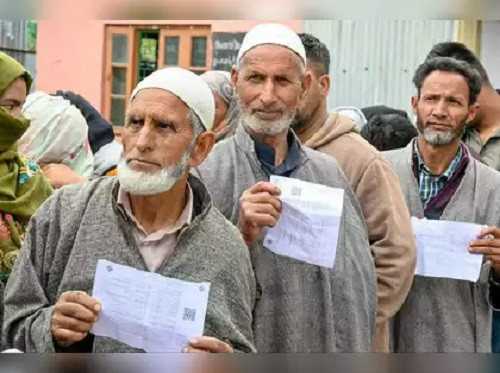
225	49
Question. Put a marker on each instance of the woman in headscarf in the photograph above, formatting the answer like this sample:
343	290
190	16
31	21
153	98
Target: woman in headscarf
23	187
57	137
106	149
99	132
226	104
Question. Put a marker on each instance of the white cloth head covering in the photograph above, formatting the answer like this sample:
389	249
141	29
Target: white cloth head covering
58	133
272	33
189	87
220	83
355	114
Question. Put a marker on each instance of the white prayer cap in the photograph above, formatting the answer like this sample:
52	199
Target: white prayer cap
189	87
272	33
355	114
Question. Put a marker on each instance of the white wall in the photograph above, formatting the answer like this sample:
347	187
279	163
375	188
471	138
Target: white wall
490	50
373	61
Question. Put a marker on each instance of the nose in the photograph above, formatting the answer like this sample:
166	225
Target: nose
268	94
440	110
145	138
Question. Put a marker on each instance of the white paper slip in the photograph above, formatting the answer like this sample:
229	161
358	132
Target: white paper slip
442	248
146	310
308	227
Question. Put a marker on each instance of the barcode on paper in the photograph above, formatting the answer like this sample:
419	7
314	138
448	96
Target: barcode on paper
189	314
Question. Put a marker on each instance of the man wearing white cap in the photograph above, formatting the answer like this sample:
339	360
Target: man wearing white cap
153	217
300	307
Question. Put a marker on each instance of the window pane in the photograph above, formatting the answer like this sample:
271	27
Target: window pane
120	48
171	51
117	111
198	72
199	51
119	80
148	53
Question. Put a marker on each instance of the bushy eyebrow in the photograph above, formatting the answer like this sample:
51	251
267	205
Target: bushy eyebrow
447	97
157	119
277	75
251	72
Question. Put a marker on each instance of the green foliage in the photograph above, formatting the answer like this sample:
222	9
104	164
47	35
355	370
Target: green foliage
31	28
148	50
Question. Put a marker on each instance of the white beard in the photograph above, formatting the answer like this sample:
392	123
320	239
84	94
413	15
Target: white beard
146	184
263	127
439	138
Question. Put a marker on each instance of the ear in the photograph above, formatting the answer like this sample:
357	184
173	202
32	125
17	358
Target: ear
201	150
324	85
306	85
234	77
472	112
414	104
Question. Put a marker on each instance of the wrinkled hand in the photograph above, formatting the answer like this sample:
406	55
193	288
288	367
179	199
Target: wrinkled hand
259	208
59	174
488	244
208	344
73	317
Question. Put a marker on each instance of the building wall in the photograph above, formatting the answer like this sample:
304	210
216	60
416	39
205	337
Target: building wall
70	56
372	61
14	42
490	50
217	26
71	53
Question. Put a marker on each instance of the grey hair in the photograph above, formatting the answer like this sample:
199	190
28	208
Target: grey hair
449	64
460	52
196	123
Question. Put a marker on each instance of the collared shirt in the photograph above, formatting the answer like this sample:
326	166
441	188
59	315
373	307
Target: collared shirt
158	246
266	156
489	150
429	184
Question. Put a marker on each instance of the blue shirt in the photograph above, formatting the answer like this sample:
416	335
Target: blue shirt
266	155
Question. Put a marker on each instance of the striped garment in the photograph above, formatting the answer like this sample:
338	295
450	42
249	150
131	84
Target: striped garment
429	184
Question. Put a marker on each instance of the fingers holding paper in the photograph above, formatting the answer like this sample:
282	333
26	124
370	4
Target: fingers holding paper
208	344
488	244
259	208
73	317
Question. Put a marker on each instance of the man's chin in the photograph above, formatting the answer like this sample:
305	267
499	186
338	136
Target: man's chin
437	138
266	128
145	184
268	131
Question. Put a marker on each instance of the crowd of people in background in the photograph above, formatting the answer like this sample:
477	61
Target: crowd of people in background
186	193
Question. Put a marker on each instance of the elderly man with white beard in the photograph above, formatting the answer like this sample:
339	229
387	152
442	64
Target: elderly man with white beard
300	307
154	217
